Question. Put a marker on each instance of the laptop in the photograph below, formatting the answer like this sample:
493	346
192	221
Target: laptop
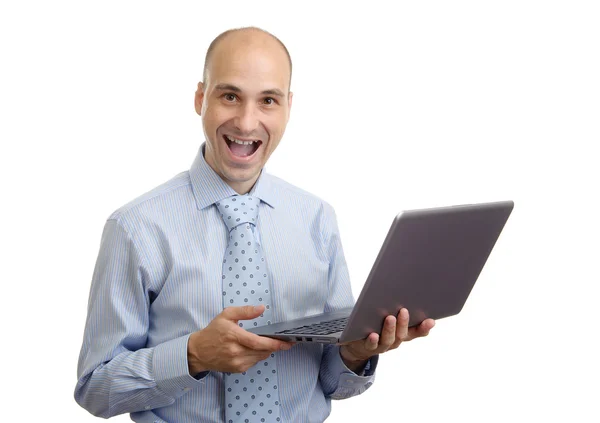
428	263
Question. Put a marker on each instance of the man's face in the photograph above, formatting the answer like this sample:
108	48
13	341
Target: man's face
245	104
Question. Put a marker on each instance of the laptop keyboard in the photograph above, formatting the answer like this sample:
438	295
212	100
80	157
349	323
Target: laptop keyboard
322	328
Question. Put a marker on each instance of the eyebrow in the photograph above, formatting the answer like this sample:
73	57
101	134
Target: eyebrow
276	92
228	87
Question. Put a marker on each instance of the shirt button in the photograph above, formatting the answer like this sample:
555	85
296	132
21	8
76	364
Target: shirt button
147	407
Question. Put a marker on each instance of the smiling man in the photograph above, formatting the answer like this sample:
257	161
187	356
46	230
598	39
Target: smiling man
183	269
245	103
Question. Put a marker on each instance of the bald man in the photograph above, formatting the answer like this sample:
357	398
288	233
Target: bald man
161	340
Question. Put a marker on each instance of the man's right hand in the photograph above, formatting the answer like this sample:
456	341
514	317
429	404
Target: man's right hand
225	347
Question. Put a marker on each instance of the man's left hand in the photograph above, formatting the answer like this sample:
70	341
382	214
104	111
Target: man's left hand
394	332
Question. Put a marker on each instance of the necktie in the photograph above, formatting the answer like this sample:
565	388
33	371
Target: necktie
251	396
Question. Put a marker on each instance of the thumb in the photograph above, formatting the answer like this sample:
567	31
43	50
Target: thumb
243	313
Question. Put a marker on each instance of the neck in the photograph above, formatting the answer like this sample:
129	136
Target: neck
243	187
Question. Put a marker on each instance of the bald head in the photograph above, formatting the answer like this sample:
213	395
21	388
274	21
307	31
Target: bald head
244	37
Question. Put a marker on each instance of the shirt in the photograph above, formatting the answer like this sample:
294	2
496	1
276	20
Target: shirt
157	279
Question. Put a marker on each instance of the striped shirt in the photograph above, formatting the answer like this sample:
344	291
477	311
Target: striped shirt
157	279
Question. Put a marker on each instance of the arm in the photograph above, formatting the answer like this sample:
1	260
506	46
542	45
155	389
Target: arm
116	372
340	378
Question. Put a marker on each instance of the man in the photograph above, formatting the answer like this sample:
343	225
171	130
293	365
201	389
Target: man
164	338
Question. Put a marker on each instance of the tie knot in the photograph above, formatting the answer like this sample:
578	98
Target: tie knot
238	209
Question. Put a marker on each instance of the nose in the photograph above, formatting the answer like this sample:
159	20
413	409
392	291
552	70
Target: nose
246	120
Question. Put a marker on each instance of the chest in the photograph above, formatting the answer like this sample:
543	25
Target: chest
187	291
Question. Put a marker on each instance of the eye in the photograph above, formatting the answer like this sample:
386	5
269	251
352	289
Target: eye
270	101
230	97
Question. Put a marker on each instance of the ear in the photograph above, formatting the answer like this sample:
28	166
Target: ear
290	96
199	98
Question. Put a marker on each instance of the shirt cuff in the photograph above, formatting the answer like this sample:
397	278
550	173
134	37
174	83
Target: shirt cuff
171	370
367	371
350	383
339	367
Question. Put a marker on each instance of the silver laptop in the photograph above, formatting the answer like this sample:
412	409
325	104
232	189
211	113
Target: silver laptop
428	263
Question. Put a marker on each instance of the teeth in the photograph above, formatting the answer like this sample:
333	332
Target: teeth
239	141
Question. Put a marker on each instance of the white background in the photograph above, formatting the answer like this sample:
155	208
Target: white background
419	104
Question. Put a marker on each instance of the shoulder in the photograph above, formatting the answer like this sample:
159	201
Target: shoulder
307	205
175	190
288	192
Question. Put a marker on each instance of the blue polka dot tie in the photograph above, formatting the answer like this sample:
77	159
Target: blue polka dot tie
251	396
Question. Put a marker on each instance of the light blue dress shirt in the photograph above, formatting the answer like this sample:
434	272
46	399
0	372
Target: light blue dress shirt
158	278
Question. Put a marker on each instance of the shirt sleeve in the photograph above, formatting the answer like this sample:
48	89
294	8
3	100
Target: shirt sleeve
116	372
337	380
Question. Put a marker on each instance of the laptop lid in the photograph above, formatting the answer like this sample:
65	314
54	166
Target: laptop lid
429	263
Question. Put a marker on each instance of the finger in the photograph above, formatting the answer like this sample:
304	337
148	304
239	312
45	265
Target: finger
388	334
242	313
372	342
256	355
425	327
402	326
421	330
261	343
247	358
402	332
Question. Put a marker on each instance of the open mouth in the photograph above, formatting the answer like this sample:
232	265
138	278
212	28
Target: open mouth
242	148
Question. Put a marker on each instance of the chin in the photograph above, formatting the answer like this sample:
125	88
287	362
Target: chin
240	176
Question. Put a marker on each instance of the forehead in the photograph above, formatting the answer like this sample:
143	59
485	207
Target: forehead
251	63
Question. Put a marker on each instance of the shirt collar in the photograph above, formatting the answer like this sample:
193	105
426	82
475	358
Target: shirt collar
208	187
